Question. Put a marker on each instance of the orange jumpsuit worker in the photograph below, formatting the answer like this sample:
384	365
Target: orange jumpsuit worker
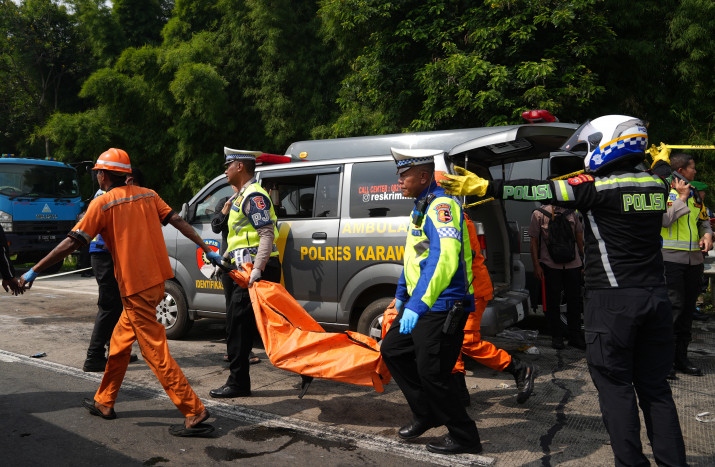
129	219
485	352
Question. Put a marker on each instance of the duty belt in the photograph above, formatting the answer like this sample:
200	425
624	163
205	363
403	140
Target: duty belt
252	250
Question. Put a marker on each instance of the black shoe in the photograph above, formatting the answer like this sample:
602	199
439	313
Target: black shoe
700	316
557	343
133	358
671	375
688	368
92	365
449	446
414	429
227	392
524	376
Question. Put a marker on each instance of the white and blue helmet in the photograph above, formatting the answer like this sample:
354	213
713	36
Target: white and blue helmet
609	139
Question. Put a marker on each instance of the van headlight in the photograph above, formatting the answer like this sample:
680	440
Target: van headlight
6	221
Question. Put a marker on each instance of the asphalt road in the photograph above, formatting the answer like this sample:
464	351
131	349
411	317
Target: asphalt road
334	424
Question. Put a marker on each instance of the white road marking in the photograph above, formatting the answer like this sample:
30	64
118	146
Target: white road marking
63	291
253	416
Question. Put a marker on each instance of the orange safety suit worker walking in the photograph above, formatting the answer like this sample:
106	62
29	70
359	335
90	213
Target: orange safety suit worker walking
485	352
129	218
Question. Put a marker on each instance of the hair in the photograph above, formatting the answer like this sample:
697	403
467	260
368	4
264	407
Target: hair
117	178
425	168
680	160
250	165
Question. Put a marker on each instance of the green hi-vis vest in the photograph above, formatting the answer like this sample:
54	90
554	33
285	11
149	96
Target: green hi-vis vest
241	233
683	233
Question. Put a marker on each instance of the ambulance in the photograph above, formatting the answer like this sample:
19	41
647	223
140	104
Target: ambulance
342	224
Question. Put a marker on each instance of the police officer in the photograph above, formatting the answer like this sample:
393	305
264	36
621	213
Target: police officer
252	228
628	322
434	289
685	238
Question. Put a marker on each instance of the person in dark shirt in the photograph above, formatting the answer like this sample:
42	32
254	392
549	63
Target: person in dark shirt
9	281
628	319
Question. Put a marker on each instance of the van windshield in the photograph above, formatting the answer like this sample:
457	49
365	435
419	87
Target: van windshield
38	181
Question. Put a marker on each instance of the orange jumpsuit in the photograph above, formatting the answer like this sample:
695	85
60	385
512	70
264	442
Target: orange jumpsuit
129	219
473	346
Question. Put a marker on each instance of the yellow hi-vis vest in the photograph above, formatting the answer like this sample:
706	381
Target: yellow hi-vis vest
241	232
683	233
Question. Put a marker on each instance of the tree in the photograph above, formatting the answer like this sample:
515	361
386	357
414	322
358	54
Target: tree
42	62
437	64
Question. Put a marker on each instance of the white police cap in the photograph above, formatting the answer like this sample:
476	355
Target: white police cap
239	155
408	158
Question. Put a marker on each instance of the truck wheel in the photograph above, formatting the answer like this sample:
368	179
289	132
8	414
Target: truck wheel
370	322
172	312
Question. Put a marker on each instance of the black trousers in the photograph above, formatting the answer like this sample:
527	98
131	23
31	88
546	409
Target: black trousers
568	280
109	304
421	364
629	350
241	326
684	282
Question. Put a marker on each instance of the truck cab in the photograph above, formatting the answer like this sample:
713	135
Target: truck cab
39	203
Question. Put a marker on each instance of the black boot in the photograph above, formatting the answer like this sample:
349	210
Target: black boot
523	374
681	362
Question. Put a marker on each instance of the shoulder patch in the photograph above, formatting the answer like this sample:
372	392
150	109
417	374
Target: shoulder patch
444	212
259	202
580	179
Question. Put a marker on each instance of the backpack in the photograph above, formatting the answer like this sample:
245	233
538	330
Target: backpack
561	242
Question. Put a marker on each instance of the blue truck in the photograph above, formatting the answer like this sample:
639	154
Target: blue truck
39	203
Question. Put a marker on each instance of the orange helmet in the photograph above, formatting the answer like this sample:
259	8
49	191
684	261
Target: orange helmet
116	160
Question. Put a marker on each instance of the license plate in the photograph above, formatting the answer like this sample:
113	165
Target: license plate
47	238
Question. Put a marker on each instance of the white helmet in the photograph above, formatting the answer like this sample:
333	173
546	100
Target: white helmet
609	139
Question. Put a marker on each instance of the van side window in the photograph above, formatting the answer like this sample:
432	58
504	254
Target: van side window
293	196
374	191
326	199
206	208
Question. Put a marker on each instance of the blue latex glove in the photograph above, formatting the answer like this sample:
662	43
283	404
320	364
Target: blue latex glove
30	275
215	258
399	305
408	321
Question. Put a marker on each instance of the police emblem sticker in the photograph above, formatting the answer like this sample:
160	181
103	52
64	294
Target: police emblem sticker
444	212
580	179
259	202
202	261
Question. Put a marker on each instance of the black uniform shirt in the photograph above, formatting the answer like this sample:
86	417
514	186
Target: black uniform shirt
623	213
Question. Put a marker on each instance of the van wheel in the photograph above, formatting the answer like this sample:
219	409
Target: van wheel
370	322
172	312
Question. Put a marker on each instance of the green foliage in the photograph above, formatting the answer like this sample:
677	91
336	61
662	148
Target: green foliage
445	64
172	82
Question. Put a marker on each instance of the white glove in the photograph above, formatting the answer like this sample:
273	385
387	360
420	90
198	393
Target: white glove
255	276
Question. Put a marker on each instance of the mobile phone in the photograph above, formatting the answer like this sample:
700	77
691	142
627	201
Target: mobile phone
696	195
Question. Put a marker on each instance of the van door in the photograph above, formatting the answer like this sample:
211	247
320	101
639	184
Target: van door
193	271
306	202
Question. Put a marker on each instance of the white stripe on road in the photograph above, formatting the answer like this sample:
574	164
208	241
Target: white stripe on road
253	416
61	290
